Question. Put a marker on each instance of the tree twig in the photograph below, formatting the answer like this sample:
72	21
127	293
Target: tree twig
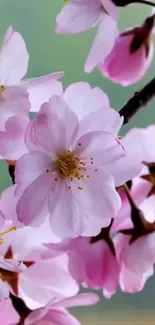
20	307
138	101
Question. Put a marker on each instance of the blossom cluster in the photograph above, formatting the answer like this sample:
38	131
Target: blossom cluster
81	209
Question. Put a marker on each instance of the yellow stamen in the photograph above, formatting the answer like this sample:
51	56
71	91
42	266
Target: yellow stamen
2	88
6	232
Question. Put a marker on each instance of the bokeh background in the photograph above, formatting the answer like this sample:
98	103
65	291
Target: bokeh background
35	20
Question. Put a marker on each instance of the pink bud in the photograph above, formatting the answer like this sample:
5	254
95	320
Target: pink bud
131	55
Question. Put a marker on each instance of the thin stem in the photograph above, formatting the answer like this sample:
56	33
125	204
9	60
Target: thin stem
138	101
145	2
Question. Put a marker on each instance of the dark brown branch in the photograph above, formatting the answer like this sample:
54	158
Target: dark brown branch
11	169
20	307
138	101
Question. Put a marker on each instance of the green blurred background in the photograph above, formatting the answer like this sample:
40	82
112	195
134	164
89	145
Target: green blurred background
35	20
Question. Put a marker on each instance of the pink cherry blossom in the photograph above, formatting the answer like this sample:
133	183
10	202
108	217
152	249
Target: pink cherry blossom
92	262
137	50
41	280
50	186
142	150
79	16
136	245
56	313
14	65
8	314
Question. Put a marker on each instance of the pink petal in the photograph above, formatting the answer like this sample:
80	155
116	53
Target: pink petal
56	126
47	280
37	315
30	140
14	102
148	208
30	166
12	144
65	213
11	265
4	290
61	317
82	299
140	255
145	141
41	89
13	49
32	207
130	165
8	211
8	314
133	282
102	146
83	100
98	197
103	42
105	274
75	19
110	8
77	266
105	119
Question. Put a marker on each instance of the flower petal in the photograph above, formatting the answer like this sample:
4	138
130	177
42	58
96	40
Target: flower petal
14	102
75	19
105	119
130	165
102	146
65	214
140	255
83	100
13	68
56	126
12	145
103	42
41	89
4	290
133	282
30	166
82	299
98	196
32	206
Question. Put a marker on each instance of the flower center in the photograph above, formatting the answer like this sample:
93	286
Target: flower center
6	232
68	165
2	88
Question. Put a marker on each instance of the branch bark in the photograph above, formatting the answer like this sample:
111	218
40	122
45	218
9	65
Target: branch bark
138	101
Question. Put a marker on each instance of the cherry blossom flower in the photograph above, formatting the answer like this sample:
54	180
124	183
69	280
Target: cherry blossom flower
13	67
140	187
136	222
66	176
92	261
79	16
35	281
8	314
137	50
56	312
